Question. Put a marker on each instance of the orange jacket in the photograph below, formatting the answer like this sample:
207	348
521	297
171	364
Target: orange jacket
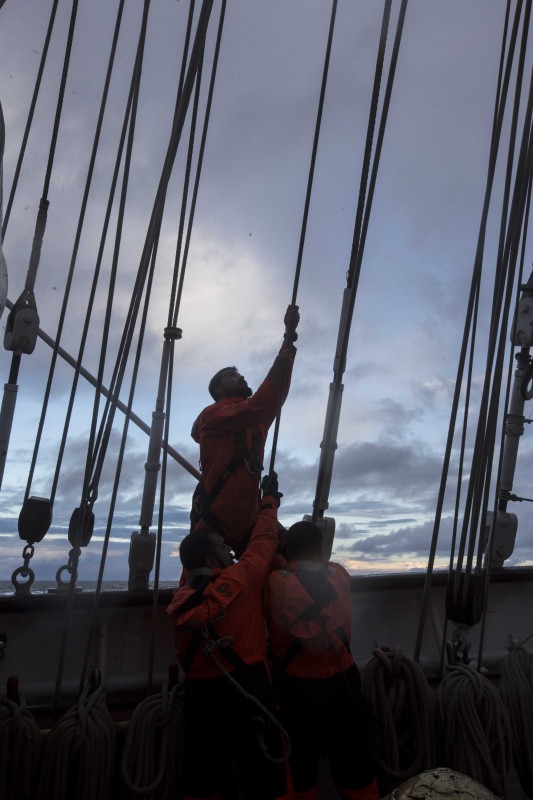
232	602
321	650
216	430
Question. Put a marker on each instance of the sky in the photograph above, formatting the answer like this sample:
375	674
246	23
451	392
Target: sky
416	270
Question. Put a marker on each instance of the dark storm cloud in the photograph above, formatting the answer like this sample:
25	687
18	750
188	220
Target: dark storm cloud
408	470
410	539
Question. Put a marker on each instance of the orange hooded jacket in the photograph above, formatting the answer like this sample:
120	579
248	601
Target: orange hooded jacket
219	430
322	639
232	603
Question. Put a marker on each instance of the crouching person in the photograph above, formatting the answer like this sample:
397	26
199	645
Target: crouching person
318	685
221	647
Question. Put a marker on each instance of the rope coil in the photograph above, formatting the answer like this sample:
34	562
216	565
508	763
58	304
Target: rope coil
404	707
79	752
516	690
474	726
20	749
151	757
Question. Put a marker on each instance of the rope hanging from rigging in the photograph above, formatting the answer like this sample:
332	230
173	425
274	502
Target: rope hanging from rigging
364	206
462	590
3	266
144	541
23	321
290	335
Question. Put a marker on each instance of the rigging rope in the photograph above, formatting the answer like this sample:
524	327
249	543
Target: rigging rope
149	248
152	752
474	727
147	555
289	334
329	445
79	751
3	267
516	688
23	320
469	335
20	746
80	529
175	304
404	708
30	116
66	295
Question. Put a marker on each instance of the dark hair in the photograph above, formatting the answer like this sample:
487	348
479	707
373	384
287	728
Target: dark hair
216	381
304	538
196	548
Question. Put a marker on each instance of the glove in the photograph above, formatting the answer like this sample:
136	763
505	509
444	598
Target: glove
291	320
269	486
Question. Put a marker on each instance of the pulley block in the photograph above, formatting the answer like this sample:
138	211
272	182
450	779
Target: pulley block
22	325
35	519
467	607
81	526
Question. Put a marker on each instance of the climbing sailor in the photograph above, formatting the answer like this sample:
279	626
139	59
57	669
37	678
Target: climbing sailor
317	682
232	433
221	647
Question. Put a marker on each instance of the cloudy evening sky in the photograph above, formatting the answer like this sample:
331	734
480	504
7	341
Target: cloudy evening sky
415	277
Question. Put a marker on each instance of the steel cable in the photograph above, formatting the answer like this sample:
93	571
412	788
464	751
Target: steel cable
364	206
66	295
310	179
469	330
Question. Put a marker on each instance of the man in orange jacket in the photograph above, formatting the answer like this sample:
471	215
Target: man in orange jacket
232	433
219	627
308	611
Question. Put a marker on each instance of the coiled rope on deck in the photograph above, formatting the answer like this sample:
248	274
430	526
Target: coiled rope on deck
20	748
475	728
516	690
151	757
404	707
79	752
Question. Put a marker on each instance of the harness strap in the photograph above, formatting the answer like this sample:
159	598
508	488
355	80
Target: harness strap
246	452
201	501
198	637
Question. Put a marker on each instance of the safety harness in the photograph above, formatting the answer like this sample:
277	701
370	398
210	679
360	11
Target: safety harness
247	451
207	634
210	640
316	585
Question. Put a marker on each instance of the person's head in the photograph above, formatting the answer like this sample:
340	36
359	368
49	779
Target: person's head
304	542
228	382
204	548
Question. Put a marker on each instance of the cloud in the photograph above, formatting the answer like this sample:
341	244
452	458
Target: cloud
414	283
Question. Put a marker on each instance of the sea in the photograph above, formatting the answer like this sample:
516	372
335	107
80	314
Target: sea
43	587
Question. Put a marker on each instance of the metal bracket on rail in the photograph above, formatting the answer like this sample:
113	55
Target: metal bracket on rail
458	647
